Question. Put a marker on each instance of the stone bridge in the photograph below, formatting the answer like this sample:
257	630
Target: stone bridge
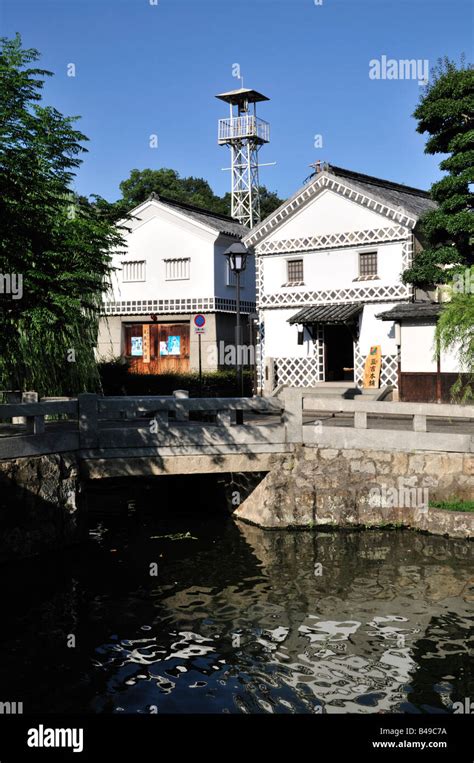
323	461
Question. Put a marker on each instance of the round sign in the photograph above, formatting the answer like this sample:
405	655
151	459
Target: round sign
199	321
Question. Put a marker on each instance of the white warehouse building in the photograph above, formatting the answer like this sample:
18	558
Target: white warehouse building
328	262
172	269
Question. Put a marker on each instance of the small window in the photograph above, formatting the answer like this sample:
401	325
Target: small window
177	269
133	271
294	271
367	264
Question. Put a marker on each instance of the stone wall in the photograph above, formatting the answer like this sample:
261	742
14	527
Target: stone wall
327	487
40	505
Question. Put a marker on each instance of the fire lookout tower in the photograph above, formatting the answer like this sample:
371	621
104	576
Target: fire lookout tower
244	133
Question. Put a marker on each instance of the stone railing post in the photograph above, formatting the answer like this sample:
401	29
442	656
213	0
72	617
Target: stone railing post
181	413
88	420
293	413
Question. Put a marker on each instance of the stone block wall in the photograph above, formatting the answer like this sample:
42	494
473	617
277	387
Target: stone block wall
327	487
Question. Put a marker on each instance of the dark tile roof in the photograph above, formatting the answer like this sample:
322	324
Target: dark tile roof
221	223
411	311
413	200
327	314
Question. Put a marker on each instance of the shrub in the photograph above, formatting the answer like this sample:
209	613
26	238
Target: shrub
117	380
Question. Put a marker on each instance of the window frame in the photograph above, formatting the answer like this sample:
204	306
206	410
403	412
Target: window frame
187	266
126	263
294	281
362	276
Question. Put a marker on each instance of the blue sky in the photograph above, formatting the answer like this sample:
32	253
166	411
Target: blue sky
144	69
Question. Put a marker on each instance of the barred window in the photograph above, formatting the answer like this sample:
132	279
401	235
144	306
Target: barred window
294	271
133	271
367	264
177	269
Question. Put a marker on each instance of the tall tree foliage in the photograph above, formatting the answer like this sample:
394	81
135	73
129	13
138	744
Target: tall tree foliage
57	243
446	114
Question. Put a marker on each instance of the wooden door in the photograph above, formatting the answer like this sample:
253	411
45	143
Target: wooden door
168	347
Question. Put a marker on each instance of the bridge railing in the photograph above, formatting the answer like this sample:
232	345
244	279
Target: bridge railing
95	422
385	434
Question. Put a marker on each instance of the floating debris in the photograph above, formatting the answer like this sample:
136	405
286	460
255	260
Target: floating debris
174	536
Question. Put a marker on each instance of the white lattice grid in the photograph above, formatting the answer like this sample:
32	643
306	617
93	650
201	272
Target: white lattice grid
388	369
334	240
306	372
261	354
359	362
319	350
176	306
297	372
331	296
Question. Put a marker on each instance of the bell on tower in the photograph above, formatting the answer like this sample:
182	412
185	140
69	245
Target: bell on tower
245	134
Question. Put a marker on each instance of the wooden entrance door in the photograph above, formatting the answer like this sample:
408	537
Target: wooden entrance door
168	347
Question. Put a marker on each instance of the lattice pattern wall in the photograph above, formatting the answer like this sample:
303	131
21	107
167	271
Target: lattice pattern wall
354	294
306	372
388	369
297	372
175	306
334	240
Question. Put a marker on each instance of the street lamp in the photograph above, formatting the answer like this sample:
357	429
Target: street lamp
237	258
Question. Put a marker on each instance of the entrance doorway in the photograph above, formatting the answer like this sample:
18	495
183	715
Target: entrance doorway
339	353
168	347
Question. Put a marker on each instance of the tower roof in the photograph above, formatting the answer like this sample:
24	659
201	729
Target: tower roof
242	94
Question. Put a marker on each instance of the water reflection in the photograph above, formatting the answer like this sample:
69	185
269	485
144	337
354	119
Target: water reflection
242	620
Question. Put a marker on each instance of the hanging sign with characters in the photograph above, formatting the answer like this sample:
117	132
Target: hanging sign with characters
146	343
372	367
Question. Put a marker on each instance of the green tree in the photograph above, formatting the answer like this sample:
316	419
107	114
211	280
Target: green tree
446	114
455	331
56	243
141	183
190	190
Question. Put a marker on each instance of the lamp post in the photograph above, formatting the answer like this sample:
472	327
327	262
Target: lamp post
237	258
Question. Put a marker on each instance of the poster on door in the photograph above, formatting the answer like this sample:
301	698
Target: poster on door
372	367
172	346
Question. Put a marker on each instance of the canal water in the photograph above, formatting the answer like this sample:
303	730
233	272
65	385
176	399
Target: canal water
187	611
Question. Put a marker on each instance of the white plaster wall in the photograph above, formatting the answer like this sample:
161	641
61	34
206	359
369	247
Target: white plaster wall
418	342
417	349
333	269
328	213
109	340
161	234
450	362
374	331
281	339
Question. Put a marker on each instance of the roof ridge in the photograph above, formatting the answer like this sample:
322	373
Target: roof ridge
191	207
372	180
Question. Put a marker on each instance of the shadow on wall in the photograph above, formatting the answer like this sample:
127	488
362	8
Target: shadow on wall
41	507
